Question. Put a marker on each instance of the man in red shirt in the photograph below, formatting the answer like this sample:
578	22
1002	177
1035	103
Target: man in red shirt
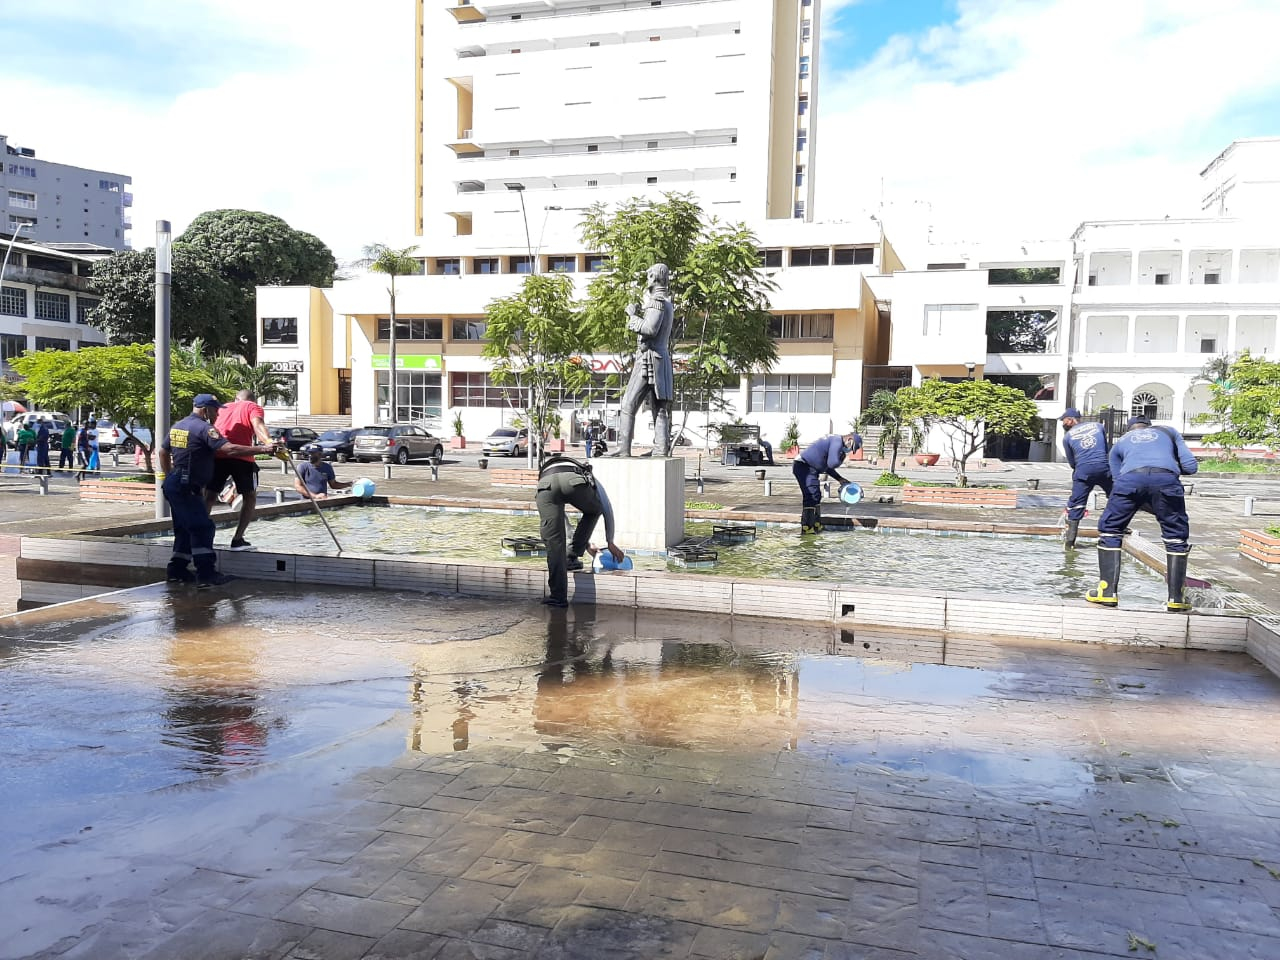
242	423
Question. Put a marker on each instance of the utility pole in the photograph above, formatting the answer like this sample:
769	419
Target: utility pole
164	272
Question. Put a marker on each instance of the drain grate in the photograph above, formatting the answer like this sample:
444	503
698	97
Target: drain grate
732	533
523	547
692	553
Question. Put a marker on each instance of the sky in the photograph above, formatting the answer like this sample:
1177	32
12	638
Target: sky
984	118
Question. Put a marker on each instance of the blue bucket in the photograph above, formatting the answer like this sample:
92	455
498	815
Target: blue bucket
362	488
851	494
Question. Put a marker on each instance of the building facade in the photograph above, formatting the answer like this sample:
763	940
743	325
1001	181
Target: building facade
58	203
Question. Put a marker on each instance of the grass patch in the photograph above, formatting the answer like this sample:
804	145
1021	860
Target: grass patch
1215	465
889	479
702	505
1273	530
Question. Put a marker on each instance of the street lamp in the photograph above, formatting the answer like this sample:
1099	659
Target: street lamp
528	243
970	367
164	274
17	227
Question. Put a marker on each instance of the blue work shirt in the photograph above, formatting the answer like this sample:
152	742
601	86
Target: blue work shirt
316	476
1085	445
827	454
1161	448
42	434
191	442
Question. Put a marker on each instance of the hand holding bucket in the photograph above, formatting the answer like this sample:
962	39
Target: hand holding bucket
850	493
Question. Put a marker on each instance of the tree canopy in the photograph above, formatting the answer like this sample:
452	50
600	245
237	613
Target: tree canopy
217	263
1246	404
968	410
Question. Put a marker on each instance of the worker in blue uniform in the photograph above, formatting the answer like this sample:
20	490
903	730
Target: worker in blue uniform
1145	466
1085	444
186	458
821	456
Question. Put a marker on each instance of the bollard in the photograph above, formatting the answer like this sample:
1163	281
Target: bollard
44	484
768	488
826	489
115	456
284	468
1248	506
279	495
386	471
435	470
1093	502
700	487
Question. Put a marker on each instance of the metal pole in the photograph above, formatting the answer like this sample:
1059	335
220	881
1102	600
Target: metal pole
164	273
391	372
17	227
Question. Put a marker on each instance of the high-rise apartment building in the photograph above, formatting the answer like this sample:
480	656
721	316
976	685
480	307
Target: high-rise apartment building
58	203
577	102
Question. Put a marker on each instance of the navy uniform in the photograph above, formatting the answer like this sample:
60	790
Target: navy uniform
821	456
563	480
1145	466
1085	444
191	443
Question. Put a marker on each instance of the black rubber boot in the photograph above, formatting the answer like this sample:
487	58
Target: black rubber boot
1176	577
808	519
1072	531
1108	578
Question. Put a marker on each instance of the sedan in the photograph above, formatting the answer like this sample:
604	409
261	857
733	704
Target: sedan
399	443
508	441
295	438
112	435
338	444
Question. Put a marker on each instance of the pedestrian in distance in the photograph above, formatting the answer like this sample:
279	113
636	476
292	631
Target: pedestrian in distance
67	448
767	447
821	457
1085	444
43	436
241	422
1146	464
26	441
315	478
187	457
84	449
563	480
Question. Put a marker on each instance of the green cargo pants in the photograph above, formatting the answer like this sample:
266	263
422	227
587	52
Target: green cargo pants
554	491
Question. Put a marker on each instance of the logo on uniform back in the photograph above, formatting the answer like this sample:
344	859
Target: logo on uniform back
178	438
1145	435
1089	437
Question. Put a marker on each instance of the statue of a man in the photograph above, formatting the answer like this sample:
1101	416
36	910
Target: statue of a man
652	377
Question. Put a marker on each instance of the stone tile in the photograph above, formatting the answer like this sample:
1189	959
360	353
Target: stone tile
884	915
216	934
522	937
793	946
452	949
411	788
769	878
776	853
611	893
1068	835
953	898
539	848
209	888
811	916
1177	941
477	782
456	908
1008	872
949	945
718	944
1087	917
645	839
860	951
406	945
408	887
505	873
267	896
711	902
1013	918
335	911
453	853
330	945
419	823
1085	870
588	933
542	896
1232	906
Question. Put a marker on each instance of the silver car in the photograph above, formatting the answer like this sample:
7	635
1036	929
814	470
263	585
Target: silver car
506	440
398	443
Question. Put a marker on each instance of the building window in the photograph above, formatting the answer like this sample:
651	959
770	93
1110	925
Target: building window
593	148
1209	278
418	396
798	213
462	328
84	309
21	170
412	328
13	301
112	185
651	145
799	176
845	256
562	264
650	179
53	306
15	220
11	345
810	256
770	258
804	67
522	264
513	152
1000	276
1208	345
25	201
1147	404
449	266
288	392
806	30
279	331
52	343
802	326
790	393
802	141
477	390
1162	279
484	265
593	183
596	262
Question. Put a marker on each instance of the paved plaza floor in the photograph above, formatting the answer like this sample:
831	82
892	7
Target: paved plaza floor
267	771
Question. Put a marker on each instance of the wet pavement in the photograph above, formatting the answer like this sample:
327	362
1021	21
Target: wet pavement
265	771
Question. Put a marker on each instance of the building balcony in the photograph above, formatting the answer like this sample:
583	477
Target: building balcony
1189	362
1024	364
1122	295
48	278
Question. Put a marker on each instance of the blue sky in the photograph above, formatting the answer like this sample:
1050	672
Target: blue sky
1008	118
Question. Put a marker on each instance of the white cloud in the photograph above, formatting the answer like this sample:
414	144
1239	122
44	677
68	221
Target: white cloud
319	133
1025	118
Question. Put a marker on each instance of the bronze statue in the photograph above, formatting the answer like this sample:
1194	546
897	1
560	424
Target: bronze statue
652	377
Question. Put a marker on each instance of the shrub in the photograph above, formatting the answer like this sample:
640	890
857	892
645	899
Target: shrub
889	479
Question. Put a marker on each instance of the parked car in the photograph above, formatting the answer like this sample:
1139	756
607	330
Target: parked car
338	444
111	435
295	438
400	442
57	422
506	440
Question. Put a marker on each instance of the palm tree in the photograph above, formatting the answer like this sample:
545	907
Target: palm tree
888	411
235	374
394	263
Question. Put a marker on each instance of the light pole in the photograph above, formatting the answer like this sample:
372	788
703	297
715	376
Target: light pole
164	272
17	228
524	214
534	431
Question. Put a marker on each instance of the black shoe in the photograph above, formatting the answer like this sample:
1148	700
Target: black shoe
179	576
573	563
239	545
554	602
214	580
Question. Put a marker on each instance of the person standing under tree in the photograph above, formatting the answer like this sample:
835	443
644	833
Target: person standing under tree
67	447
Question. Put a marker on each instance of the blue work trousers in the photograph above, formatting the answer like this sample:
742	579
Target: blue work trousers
808	477
192	528
1082	485
1162	493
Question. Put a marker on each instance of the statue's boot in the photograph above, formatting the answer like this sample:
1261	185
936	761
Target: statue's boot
662	433
626	427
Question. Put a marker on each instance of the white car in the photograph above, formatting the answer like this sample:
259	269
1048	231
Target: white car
111	435
57	422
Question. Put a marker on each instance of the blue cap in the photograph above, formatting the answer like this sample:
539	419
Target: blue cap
1071	412
205	400
1141	420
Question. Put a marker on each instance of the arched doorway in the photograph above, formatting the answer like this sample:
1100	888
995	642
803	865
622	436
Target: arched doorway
1153	401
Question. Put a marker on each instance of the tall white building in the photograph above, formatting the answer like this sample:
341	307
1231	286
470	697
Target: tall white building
577	102
58	203
1244	180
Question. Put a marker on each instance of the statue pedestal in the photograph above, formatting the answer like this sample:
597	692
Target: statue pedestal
647	495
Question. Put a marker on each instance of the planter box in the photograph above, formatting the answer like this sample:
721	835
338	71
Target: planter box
555	446
1260	548
457	443
960	496
513	477
117	491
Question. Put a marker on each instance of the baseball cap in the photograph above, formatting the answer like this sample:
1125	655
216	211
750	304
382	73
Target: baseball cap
206	400
1139	421
1071	412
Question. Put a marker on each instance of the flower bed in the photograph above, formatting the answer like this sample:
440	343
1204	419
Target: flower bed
118	491
1260	547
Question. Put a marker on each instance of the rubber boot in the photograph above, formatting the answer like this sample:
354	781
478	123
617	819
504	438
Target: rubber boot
1072	531
1176	577
808	518
626	427
1108	578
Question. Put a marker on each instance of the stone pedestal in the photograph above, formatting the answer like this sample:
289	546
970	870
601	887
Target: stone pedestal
647	494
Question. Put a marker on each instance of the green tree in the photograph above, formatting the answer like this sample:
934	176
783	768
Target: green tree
1022	331
380	258
721	299
536	339
968	410
218	262
891	411
115	382
1246	404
